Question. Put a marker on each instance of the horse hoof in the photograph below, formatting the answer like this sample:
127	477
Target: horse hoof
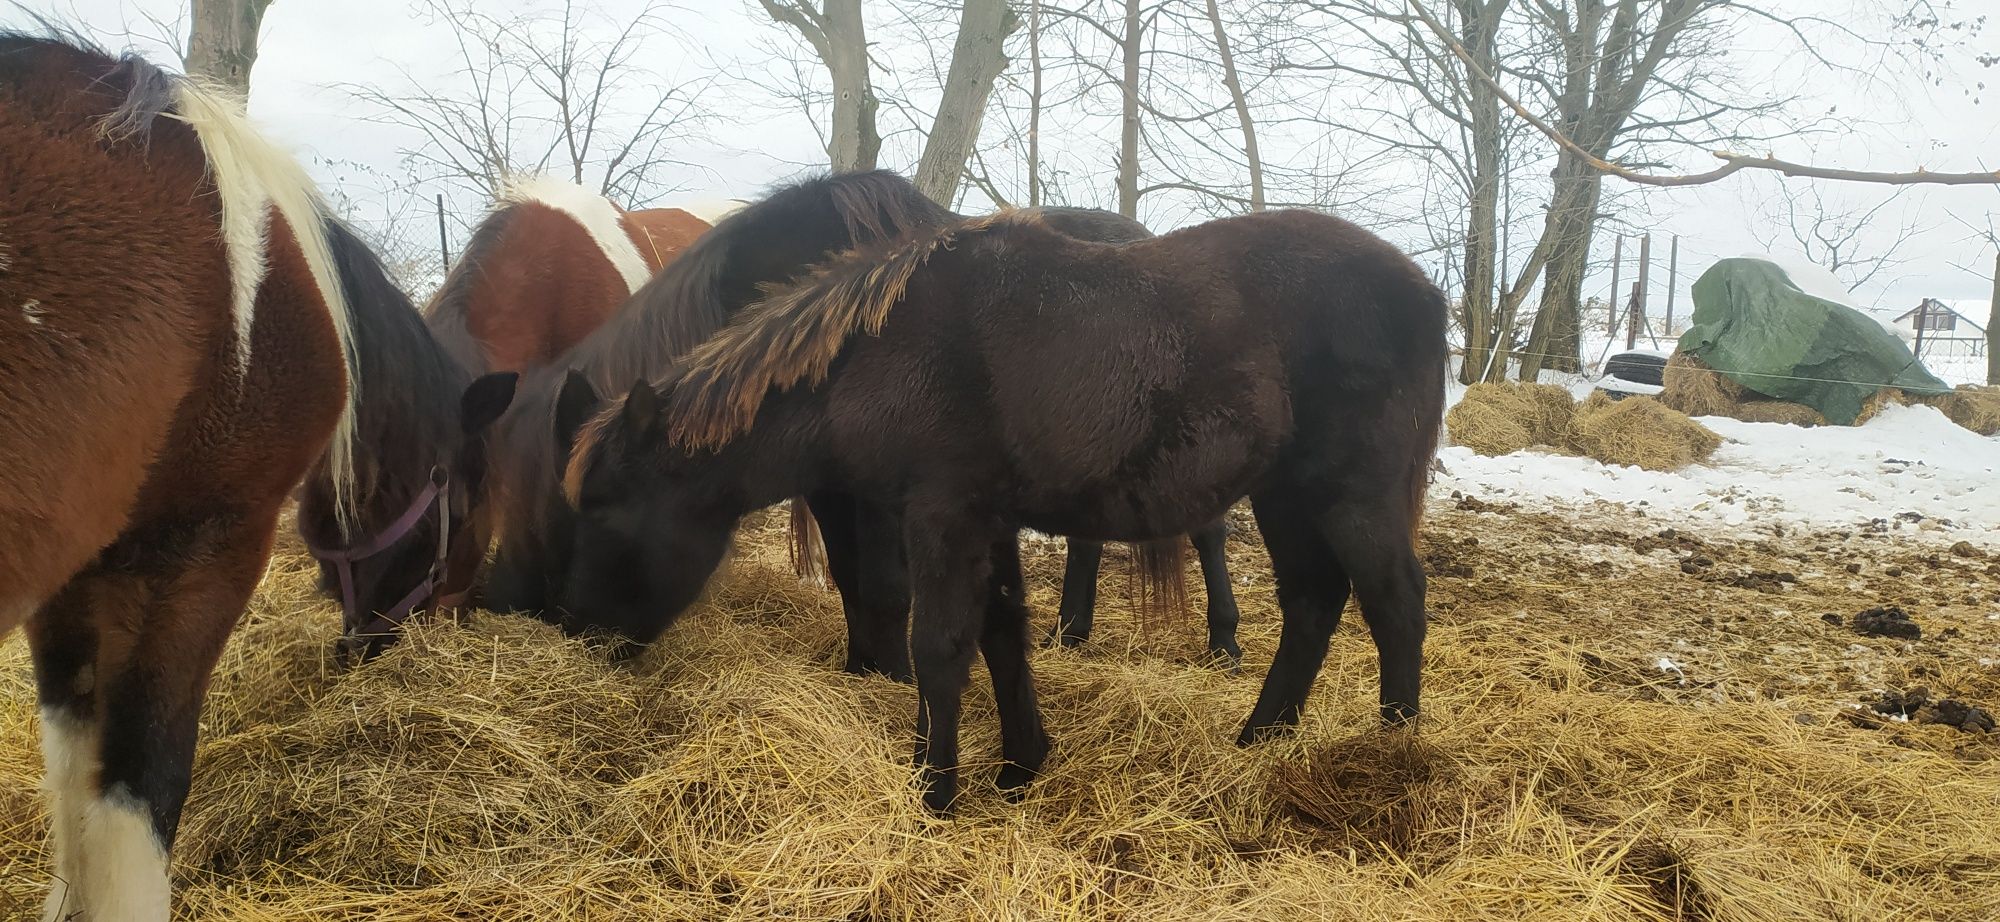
1060	638
1399	716
940	797
1227	659
1251	736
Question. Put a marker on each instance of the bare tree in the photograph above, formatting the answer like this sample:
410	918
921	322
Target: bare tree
222	42
977	57
564	91
1839	238
1234	83
836	33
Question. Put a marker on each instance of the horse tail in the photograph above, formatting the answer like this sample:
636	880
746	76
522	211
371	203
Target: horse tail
1427	407
1160	569
807	550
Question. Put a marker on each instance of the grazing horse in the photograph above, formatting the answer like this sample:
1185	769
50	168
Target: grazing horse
770	242
547	266
175	352
1000	375
418	529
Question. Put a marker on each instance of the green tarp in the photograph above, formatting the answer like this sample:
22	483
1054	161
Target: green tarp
1760	330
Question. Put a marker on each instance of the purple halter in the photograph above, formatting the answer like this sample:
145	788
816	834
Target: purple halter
436	493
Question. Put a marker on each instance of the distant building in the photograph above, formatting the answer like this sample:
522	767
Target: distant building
1939	321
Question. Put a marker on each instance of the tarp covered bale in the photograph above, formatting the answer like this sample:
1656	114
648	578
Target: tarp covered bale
1757	327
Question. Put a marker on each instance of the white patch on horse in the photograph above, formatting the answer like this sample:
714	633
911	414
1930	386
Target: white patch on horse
125	864
599	218
32	311
69	765
253	178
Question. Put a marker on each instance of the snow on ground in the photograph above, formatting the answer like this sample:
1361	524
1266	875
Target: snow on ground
1908	471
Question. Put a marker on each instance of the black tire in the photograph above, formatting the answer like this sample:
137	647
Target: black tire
1638	368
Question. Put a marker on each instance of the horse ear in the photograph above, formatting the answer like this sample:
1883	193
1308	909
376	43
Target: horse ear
576	403
485	399
642	410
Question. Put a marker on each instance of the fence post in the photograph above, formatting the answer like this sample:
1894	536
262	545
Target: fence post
1639	293
1611	304
1673	279
1923	310
444	248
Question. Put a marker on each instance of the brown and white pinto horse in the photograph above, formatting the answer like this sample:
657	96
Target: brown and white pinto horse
548	265
174	354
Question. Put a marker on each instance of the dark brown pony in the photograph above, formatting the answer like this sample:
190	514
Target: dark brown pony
419	527
546	267
174	354
1000	375
770	242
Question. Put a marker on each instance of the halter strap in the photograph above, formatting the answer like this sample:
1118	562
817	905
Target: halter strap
437	493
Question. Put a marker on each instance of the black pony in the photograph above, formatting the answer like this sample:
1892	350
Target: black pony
1011	377
768	243
420	528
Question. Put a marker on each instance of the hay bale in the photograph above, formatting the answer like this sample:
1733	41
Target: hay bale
1551	407
1492	419
1777	411
1641	432
1973	406
1877	401
1698	390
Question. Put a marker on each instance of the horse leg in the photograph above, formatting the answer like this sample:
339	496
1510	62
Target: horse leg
163	602
1208	543
1312	591
864	558
1024	744
63	643
1079	594
949	566
1375	548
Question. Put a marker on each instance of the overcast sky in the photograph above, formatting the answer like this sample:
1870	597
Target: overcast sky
1895	122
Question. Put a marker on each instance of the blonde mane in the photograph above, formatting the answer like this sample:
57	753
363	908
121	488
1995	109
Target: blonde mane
253	177
794	334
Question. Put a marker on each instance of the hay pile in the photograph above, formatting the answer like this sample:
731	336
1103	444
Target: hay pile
499	772
1698	390
1973	406
1500	418
1641	432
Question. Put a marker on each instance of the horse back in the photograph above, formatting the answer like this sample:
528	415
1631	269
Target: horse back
662	233
122	399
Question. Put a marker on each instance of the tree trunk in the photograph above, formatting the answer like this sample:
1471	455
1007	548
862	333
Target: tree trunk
854	144
1235	86
1128	133
977	58
1035	104
1555	339
1486	333
222	42
1993	328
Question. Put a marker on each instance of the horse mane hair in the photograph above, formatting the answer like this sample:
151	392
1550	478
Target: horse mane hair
252	177
794	334
688	301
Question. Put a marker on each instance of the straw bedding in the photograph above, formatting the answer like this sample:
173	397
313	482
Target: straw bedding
497	772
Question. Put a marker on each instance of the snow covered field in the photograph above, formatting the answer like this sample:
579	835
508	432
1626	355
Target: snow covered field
1908	471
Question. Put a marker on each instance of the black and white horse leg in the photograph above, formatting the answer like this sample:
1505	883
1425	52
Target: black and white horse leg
1079	593
1312	591
949	571
164	601
63	641
1024	744
1375	547
1209	544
